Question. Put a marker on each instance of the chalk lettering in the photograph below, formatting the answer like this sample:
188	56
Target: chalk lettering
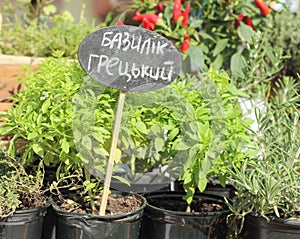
154	75
114	65
135	71
90	60
148	42
118	39
111	63
144	71
126	42
100	64
125	71
166	76
159	48
153	47
169	63
138	44
106	40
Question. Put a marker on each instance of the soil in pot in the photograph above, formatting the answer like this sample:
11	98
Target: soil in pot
122	220
277	228
166	217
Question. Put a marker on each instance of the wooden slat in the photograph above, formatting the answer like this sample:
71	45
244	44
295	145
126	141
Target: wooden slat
12	69
5	106
19	60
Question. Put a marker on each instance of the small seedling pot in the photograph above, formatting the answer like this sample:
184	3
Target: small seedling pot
160	223
260	228
89	226
23	224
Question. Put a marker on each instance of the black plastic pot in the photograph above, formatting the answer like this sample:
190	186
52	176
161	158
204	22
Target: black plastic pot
49	225
23	224
89	226
159	223
260	228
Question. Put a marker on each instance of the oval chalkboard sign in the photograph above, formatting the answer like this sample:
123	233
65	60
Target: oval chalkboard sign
129	58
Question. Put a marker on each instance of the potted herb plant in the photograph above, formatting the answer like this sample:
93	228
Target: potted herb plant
78	216
46	104
213	135
23	204
267	183
147	132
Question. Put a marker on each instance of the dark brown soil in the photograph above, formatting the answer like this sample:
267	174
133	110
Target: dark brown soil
33	200
115	205
198	205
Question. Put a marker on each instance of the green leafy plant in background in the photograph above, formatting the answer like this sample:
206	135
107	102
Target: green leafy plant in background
260	68
211	33
273	55
284	36
226	28
43	34
268	181
43	111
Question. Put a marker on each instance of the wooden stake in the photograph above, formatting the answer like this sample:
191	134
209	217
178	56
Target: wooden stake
113	148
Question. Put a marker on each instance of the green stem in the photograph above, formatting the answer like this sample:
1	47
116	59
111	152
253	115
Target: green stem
90	193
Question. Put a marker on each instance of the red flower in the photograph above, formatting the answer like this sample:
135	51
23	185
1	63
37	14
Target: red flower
185	46
248	21
187	37
159	8
177	10
120	23
264	9
186	43
240	17
148	20
186	14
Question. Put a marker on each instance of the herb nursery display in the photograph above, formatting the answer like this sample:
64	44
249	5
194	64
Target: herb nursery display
170	119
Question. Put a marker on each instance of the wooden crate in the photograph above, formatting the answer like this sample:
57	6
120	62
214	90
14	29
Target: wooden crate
12	69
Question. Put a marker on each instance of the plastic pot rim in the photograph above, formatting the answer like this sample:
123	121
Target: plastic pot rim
180	194
275	220
30	210
106	217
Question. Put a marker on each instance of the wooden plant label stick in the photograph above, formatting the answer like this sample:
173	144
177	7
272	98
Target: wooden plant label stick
113	148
